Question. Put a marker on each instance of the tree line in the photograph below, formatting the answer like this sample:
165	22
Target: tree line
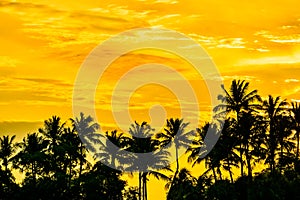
257	131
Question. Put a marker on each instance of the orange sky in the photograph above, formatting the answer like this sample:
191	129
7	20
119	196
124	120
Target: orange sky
43	44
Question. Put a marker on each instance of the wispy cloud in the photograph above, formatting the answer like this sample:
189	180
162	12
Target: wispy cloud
291	80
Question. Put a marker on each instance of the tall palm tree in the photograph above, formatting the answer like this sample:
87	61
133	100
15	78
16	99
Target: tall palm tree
295	110
274	109
122	141
53	128
175	132
71	154
143	141
211	162
286	144
222	155
86	129
7	149
32	157
52	131
234	102
253	128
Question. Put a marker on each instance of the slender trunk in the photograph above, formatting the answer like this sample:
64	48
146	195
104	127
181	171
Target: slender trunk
220	173
81	158
249	168
140	186
145	186
273	146
297	152
177	161
214	173
230	174
177	166
113	162
248	158
241	144
241	160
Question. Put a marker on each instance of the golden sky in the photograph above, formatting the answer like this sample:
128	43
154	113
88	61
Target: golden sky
43	44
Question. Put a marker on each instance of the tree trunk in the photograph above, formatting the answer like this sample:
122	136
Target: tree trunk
241	160
177	161
220	173
144	186
81	162
214	173
177	166
140	186
249	168
113	162
230	174
241	144
297	152
248	158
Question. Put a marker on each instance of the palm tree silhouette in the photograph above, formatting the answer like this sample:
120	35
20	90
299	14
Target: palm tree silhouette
143	141
32	156
253	127
222	155
195	149
86	130
236	100
295	111
175	133
274	108
7	149
284	131
122	142
71	154
52	131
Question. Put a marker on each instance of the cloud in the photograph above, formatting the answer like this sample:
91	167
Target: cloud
291	80
47	81
268	60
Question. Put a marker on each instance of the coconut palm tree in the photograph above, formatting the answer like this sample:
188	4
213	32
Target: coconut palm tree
286	144
32	157
175	133
143	141
253	127
122	141
274	108
70	155
86	130
295	111
52	131
236	100
7	149
222	155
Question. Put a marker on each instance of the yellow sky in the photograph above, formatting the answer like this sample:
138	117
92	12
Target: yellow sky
43	43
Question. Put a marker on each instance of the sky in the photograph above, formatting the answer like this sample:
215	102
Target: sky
44	43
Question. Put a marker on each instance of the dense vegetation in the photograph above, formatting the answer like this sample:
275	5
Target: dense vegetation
257	131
